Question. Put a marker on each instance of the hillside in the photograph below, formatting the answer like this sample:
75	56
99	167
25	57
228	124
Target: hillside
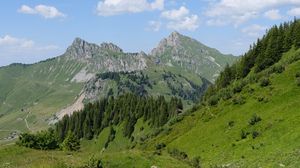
248	118
257	127
34	96
214	133
189	54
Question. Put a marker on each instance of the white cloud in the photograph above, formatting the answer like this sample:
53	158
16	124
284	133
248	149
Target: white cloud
154	25
254	30
294	12
116	7
10	43
13	49
187	23
47	12
27	10
240	11
273	14
181	19
175	14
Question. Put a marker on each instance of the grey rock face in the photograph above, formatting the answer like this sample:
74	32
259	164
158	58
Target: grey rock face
111	47
81	49
104	57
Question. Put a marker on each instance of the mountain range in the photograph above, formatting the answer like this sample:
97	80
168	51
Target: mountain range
36	95
165	114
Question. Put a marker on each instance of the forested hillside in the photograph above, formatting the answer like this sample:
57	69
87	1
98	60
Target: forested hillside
248	118
37	95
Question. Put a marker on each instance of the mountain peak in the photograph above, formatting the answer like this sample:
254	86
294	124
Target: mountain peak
81	49
173	39
175	34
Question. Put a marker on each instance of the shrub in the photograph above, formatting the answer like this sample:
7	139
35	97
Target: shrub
160	146
254	119
178	154
231	123
226	94
244	134
297	75
255	134
260	98
238	87
213	100
239	100
298	81
278	69
44	140
264	82
93	163
195	162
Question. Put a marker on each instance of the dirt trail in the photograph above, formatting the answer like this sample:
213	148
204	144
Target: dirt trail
26	122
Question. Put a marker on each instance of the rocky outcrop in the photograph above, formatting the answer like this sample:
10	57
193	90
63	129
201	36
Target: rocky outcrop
186	53
81	49
111	47
103	58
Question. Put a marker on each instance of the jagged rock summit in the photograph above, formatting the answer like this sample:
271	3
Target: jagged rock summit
81	49
181	51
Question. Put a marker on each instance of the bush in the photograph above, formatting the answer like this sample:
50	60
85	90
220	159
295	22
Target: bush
255	134
231	123
244	134
238	87
160	146
225	94
297	75
178	154
213	100
298	81
278	69
93	163
254	119
264	82
239	100
195	162
44	140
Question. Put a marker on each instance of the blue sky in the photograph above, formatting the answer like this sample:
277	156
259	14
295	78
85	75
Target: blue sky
34	30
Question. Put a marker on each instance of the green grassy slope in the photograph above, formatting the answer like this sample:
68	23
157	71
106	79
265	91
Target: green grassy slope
214	133
36	92
117	155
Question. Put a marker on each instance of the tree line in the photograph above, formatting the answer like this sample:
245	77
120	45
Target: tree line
264	53
94	117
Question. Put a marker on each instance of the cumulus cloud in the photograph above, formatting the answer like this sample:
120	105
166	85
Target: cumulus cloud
154	25
14	49
254	30
240	11
175	14
181	19
294	12
273	14
116	7
48	12
10	43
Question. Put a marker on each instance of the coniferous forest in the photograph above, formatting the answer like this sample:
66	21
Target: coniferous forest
106	112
